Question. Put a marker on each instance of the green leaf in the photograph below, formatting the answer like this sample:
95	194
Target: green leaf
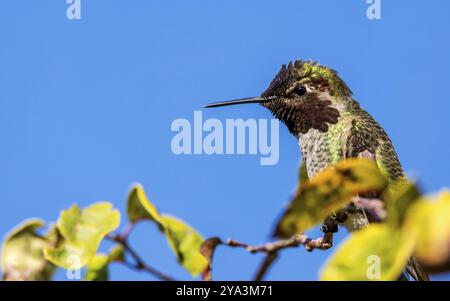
182	238
378	252
97	268
22	254
186	243
139	206
430	220
328	192
82	232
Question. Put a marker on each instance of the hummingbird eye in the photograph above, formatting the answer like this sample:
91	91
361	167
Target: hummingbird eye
301	91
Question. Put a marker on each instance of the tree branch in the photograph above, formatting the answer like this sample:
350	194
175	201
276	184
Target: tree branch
139	264
128	229
271	249
322	243
264	267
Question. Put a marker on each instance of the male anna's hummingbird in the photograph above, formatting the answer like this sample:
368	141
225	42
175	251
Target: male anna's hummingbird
318	109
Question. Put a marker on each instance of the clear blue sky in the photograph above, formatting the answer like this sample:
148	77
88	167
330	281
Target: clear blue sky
86	107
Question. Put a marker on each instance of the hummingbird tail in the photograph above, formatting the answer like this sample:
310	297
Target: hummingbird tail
416	271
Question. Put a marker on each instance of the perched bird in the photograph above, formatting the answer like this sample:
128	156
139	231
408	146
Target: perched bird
317	107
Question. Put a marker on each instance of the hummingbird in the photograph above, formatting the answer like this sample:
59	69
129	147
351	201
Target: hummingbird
319	110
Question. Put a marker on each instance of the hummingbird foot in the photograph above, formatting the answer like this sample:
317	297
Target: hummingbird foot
330	225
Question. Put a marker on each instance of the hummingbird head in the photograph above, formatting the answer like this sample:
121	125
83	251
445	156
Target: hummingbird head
304	95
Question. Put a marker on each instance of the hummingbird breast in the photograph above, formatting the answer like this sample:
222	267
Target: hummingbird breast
317	151
321	149
313	146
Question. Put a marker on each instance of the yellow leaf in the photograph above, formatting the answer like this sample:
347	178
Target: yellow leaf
399	198
82	232
182	238
328	192
430	220
377	252
22	255
97	268
186	243
139	206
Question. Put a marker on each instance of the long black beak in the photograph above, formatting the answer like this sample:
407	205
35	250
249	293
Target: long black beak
256	99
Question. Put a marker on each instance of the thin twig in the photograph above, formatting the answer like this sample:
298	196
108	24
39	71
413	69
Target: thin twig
322	243
264	267
272	248
128	229
140	264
